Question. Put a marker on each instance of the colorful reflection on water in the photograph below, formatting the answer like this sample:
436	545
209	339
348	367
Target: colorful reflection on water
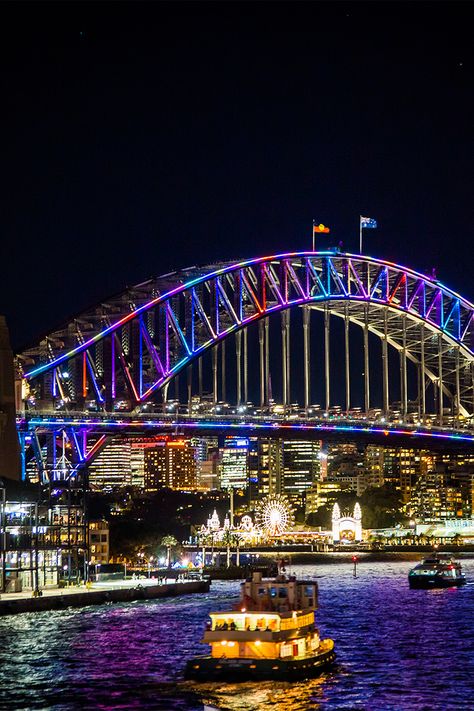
397	649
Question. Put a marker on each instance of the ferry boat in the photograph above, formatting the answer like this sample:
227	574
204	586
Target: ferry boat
271	634
436	571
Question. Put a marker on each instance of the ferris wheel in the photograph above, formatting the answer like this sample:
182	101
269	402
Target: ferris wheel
274	515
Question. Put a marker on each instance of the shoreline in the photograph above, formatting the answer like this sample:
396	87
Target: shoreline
82	598
330	558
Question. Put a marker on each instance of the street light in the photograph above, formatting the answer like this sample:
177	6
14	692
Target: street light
149	564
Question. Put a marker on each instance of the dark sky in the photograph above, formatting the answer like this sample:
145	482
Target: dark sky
144	137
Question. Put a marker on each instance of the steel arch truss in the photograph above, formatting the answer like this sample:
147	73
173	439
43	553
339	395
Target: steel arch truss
59	453
130	348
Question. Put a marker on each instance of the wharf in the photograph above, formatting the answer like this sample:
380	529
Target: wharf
98	594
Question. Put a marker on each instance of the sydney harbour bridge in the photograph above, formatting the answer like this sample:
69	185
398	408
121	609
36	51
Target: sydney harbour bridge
306	344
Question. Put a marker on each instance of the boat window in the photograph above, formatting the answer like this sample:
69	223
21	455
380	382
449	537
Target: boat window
273	592
309	591
282	592
261	591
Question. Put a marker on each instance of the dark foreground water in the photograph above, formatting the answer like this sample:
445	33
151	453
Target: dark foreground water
397	649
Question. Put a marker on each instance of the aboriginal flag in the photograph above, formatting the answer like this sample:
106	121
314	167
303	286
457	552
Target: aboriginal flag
320	229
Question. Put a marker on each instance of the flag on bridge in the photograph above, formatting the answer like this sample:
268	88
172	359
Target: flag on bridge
320	229
367	222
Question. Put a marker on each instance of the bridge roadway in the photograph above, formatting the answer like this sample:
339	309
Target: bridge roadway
327	428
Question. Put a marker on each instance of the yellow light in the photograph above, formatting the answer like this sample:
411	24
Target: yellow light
257	641
243	609
224	642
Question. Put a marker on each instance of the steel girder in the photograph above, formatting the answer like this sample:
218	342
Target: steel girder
131	346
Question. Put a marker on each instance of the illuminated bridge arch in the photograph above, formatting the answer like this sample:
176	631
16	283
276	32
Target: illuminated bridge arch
130	347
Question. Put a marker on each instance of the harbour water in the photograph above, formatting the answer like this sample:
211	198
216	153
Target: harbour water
397	649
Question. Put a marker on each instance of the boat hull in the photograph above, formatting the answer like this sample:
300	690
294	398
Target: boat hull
428	582
228	669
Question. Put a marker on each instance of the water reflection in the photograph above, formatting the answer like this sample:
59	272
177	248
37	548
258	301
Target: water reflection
279	696
397	649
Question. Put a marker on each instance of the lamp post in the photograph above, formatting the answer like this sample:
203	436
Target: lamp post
37	592
140	557
150	559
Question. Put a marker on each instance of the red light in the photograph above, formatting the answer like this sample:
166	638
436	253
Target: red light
354	559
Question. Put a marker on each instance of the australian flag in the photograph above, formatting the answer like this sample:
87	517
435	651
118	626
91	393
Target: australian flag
367	222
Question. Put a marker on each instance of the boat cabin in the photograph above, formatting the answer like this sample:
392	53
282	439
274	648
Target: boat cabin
274	619
282	594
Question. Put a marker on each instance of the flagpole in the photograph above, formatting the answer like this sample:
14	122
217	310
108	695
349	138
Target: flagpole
313	235
360	234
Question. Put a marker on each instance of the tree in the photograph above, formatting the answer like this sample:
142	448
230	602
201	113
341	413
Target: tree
169	542
381	507
206	539
228	540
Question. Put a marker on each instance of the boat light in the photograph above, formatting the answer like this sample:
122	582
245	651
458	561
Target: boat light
224	642
243	609
257	641
231	644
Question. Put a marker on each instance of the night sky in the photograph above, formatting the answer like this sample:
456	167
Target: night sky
140	138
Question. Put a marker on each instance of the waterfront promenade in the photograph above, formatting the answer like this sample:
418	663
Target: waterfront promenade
99	593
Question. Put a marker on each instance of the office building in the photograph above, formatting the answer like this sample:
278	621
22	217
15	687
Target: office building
112	467
300	468
234	472
170	464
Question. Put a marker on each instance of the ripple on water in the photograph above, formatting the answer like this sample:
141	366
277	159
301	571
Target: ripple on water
397	649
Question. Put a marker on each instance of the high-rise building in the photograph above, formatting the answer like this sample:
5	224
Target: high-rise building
206	454
170	464
112	467
208	474
301	467
253	462
458	470
234	473
269	467
137	464
373	465
434	499
402	467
